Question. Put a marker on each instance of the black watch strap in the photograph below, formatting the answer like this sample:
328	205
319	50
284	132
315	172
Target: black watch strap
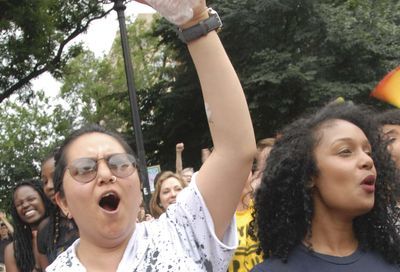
202	28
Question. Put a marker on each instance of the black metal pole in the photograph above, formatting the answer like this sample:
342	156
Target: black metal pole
120	7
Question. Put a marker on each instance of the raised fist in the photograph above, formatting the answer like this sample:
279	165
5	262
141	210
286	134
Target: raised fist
180	147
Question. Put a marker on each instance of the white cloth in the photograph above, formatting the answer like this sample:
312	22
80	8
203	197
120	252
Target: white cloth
182	239
177	12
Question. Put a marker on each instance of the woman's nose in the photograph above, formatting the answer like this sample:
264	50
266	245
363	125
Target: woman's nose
104	174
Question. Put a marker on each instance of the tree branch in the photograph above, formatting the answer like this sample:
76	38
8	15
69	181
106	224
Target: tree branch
53	62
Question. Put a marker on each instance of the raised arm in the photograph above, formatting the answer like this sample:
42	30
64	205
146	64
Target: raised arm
223	175
178	163
3	218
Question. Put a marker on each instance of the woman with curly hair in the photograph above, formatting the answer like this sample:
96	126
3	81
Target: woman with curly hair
28	207
326	201
168	186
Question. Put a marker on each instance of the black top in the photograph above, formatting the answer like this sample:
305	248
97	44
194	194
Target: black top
304	260
3	244
67	234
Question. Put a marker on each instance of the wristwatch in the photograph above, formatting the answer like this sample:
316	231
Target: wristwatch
202	28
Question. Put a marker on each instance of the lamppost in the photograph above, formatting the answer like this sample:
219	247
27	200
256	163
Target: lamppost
120	7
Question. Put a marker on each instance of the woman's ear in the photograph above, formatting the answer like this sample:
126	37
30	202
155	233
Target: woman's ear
63	205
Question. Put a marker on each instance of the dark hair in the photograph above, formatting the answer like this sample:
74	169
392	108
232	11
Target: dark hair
389	117
51	232
23	251
48	157
60	156
284	205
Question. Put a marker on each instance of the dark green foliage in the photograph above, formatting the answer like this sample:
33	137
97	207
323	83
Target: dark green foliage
295	55
291	56
28	133
34	35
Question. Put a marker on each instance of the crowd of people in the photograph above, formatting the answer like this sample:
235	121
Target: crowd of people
322	195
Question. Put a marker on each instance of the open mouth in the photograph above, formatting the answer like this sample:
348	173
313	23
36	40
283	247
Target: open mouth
109	202
370	180
29	213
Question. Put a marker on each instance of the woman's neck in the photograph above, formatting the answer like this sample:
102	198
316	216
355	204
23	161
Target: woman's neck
99	258
332	234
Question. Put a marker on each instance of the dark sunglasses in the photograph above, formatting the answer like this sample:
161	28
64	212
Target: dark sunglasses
84	170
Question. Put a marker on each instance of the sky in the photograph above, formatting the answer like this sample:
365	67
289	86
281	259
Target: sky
99	38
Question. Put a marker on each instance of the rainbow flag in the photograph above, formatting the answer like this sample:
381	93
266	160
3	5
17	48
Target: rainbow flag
388	89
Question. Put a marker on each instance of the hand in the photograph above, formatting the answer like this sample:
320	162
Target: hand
177	12
180	147
2	215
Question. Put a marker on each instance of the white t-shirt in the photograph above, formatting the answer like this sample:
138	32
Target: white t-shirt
182	239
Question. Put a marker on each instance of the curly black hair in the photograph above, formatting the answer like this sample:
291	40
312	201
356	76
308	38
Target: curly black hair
284	204
23	252
389	117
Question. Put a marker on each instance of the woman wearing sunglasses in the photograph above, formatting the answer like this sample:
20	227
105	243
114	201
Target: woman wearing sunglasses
97	182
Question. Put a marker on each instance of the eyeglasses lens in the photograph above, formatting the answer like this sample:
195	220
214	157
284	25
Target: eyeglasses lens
122	165
84	170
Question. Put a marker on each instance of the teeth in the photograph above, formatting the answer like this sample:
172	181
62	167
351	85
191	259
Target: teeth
29	213
109	194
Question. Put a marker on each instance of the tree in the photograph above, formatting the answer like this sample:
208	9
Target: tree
96	89
28	133
291	56
305	53
34	35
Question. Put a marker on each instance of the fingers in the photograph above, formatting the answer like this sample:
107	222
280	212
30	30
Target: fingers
180	147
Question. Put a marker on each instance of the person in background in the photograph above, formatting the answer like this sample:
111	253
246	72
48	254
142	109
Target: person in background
29	206
264	147
205	153
389	122
168	186
326	201
187	172
56	232
246	256
46	175
6	231
142	215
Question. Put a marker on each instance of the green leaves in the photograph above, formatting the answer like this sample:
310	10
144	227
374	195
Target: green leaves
291	56
28	133
34	35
